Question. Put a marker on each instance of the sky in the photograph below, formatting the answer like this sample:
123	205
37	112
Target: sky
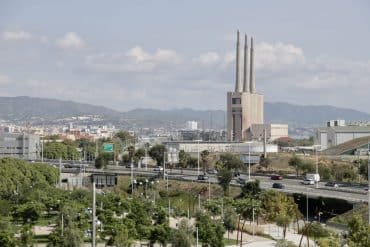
167	54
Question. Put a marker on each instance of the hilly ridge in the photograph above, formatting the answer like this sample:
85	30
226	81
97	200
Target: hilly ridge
25	108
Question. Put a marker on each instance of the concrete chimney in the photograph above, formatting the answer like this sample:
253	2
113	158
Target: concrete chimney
238	87
245	78
251	71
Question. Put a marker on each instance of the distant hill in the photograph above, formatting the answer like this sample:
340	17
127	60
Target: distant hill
24	108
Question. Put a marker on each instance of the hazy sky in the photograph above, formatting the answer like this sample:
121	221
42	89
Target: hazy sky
175	54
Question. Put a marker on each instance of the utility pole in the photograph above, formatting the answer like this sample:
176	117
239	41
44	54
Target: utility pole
197	238
93	216
60	172
307	206
249	162
42	149
62	226
132	177
317	168
198	158
209	190
164	165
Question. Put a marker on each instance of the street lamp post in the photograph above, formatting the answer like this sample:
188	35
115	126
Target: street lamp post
198	157
249	162
307	205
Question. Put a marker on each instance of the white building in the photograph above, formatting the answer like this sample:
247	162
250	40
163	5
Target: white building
191	125
273	131
337	133
221	147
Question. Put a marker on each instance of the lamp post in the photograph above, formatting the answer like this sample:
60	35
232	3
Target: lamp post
307	205
198	157
249	161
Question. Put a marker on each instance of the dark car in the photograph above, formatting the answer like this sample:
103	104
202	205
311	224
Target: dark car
276	177
332	184
202	177
278	186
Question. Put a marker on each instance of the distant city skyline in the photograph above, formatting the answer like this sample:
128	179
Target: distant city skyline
166	55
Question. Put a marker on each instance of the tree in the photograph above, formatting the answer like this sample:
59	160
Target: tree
210	231
279	208
125	137
224	177
101	162
122	237
160	233
182	237
183	158
359	232
265	161
30	211
139	153
230	161
251	189
230	220
27	235
295	162
157	153
204	155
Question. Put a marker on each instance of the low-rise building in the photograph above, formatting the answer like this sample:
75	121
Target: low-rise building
20	145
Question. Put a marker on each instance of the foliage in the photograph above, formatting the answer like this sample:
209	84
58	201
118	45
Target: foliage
295	162
210	231
265	161
359	232
224	177
230	161
204	155
18	177
183	158
251	189
65	150
125	137
284	243
230	219
157	153
100	162
27	236
280	208
182	237
29	212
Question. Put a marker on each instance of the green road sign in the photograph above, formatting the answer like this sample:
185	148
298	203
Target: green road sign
108	147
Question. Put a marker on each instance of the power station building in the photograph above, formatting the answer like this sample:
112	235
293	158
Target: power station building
20	145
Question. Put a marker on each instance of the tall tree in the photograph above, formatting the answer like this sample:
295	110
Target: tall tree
157	153
296	163
204	155
224	177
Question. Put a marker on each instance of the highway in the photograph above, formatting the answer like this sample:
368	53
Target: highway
351	194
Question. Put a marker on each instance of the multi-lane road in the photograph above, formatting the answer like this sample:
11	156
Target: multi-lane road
351	194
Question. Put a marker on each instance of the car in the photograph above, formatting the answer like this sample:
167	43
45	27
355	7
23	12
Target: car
202	177
278	186
241	180
158	169
332	184
212	171
130	166
308	182
276	177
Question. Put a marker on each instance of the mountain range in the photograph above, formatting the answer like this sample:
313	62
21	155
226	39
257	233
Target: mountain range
25	108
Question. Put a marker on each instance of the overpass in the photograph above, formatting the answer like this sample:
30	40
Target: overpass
292	186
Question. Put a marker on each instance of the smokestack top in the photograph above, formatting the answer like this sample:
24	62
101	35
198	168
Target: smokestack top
251	71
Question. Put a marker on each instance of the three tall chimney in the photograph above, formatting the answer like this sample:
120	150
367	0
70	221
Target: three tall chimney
248	83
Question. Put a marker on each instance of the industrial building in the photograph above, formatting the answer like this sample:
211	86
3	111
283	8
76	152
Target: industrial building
244	105
20	145
337	132
272	131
